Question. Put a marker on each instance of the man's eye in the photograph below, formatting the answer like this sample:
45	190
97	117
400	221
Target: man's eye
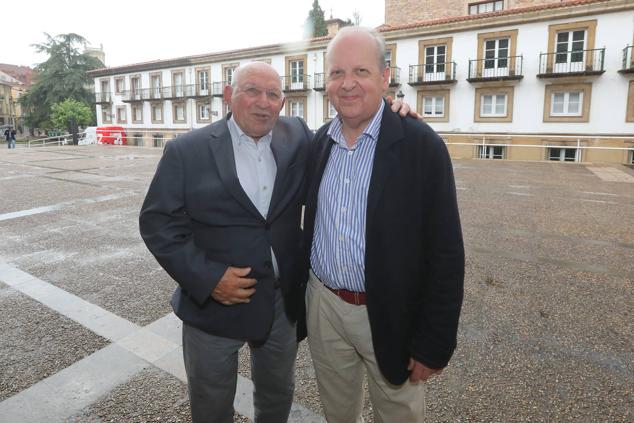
362	72
272	95
253	92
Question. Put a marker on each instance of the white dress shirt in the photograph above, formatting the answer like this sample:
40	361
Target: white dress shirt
256	168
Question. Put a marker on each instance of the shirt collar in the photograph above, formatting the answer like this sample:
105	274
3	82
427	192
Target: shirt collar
335	131
242	137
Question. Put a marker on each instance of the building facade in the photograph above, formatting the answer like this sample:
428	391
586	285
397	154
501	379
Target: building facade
398	12
10	109
538	82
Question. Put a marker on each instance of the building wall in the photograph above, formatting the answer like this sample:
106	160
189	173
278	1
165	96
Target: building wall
610	121
399	12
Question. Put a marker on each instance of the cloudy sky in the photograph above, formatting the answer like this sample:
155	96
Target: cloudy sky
138	31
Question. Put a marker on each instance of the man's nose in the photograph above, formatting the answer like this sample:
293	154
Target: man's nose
349	82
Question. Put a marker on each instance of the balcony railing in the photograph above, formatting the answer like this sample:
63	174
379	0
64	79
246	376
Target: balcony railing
432	73
574	62
103	98
319	82
164	93
496	69
218	88
395	76
295	83
628	60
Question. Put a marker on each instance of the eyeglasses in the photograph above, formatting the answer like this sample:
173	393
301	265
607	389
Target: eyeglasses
255	92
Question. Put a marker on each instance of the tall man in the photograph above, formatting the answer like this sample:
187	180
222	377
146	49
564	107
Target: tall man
384	243
222	217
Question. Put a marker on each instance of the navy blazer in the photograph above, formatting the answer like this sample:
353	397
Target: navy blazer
197	220
414	259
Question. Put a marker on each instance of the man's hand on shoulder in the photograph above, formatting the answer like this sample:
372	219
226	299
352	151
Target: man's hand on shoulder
402	108
419	372
234	287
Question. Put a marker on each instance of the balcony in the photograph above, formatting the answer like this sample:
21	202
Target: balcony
496	69
295	83
395	76
571	63
202	90
101	98
628	61
432	74
218	88
319	80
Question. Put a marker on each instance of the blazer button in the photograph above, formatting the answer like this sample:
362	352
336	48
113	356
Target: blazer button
268	264
276	283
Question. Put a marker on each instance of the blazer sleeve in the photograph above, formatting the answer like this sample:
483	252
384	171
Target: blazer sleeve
434	340
167	231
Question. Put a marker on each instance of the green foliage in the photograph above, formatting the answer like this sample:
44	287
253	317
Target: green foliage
315	24
63	75
63	112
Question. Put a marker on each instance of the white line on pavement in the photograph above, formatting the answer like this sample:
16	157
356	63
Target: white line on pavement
81	384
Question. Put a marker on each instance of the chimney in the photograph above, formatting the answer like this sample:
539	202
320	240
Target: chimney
334	25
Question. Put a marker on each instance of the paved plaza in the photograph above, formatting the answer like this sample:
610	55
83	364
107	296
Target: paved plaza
87	333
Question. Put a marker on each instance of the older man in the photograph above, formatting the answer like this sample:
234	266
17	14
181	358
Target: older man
222	217
384	244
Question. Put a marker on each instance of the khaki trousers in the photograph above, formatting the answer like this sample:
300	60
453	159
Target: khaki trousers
340	344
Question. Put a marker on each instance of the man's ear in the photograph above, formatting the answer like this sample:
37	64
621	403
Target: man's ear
386	78
283	102
227	93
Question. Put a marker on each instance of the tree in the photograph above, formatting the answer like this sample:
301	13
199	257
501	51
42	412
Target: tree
63	75
64	111
315	24
356	15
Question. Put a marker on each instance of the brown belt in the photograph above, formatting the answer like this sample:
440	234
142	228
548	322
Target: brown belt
351	297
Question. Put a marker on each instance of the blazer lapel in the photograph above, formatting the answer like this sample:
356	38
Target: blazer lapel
282	152
222	152
385	159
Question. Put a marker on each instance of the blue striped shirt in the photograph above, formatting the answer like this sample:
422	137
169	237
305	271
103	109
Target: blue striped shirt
338	252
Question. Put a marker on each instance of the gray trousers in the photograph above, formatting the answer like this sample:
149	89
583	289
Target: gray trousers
211	363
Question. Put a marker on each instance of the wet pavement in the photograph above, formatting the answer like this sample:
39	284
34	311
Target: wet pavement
88	334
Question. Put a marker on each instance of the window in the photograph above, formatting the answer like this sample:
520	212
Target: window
433	106
297	74
105	87
569	46
106	114
329	110
135	83
563	154
121	114
435	58
178	81
203	82
179	112
493	105
157	140
496	53
119	85
155	84
157	113
631	159
566	103
227	72
204	111
486	7
296	108
137	113
137	139
491	151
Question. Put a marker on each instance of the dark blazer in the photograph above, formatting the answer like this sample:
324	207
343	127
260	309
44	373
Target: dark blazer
414	259
197	220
